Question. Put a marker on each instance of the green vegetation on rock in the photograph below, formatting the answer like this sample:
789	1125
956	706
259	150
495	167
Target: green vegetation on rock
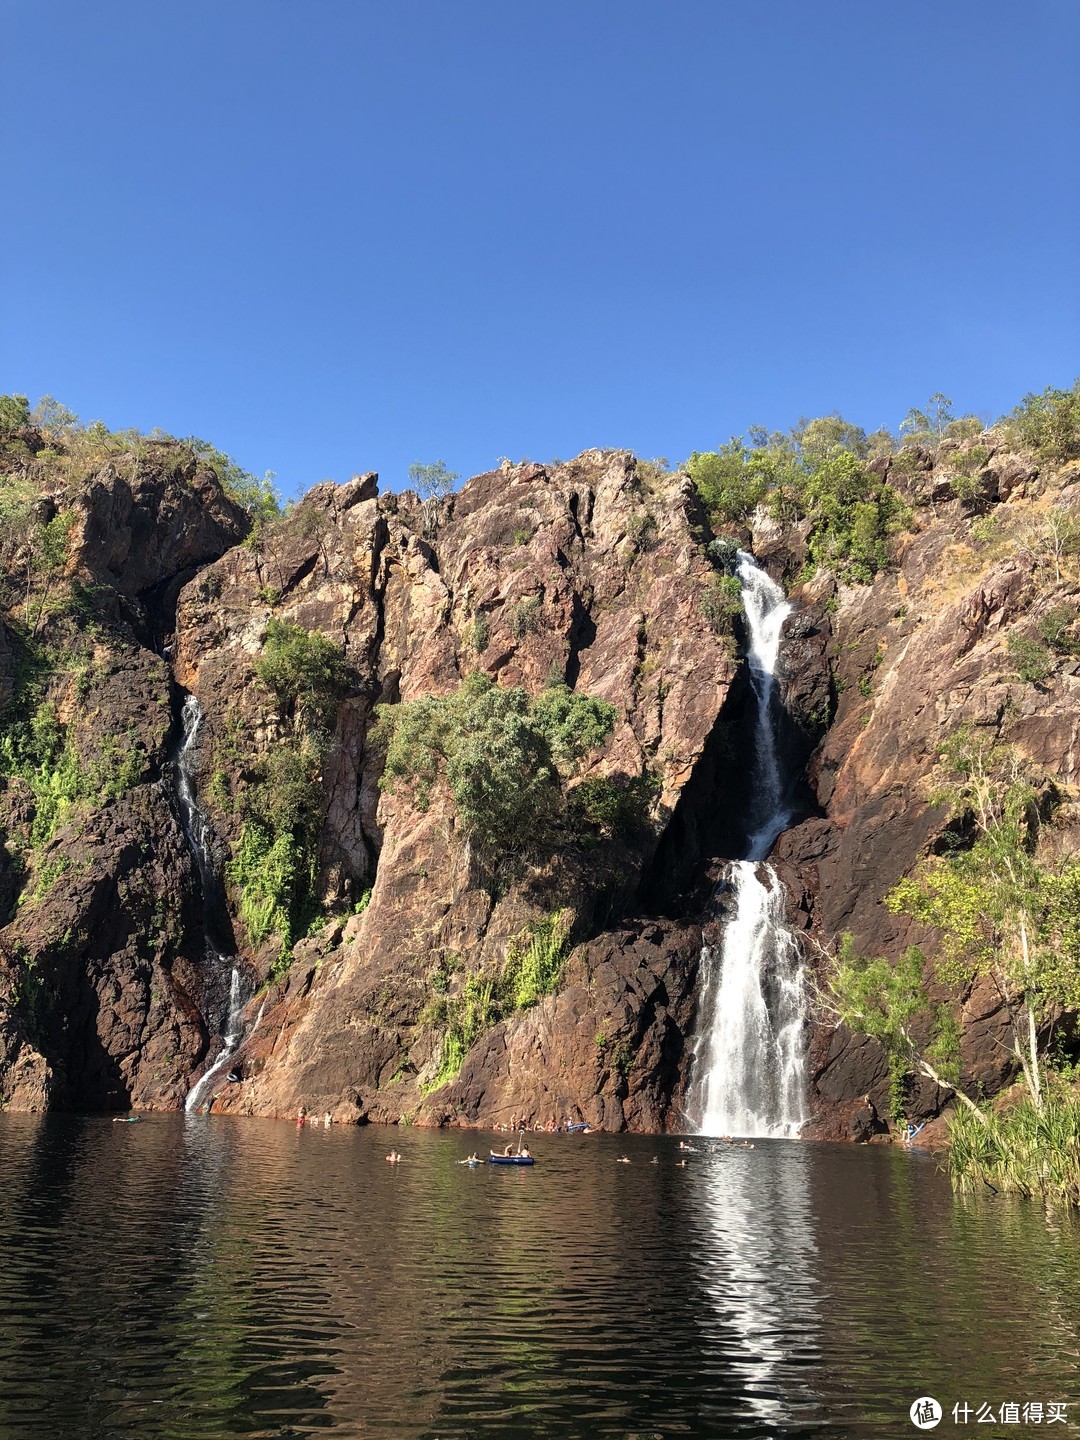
530	969
823	472
1049	424
1008	912
503	754
49	438
40	751
816	472
305	671
274	867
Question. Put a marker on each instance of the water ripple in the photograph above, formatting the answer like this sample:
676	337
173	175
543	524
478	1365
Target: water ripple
206	1277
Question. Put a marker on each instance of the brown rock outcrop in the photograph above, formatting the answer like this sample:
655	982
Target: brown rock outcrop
914	656
578	572
101	983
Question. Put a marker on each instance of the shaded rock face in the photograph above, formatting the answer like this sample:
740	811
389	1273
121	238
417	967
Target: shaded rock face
141	532
101	963
609	1048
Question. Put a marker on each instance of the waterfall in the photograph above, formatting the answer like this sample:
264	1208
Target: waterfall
228	1004
232	1031
192	820
752	1052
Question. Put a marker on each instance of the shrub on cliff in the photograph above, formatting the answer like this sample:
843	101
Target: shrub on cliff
814	472
1049	424
503	754
304	669
853	516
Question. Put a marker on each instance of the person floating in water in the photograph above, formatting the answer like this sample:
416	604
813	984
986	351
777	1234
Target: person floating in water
623	1160
393	1157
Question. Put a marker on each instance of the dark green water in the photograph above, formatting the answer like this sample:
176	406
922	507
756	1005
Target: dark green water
208	1277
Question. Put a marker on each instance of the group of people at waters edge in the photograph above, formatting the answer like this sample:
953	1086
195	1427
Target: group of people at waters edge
521	1125
516	1125
523	1122
303	1118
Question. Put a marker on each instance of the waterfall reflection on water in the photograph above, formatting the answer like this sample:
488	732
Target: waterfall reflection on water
245	1278
750	1052
762	1277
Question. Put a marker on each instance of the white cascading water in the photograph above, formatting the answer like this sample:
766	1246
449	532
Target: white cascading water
752	1054
232	1032
191	817
197	831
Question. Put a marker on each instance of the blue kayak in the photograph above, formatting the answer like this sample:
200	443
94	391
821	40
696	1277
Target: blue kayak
494	1159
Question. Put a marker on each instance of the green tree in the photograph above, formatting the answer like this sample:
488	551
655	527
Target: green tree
14	413
53	419
828	434
731	481
304	669
1000	909
929	425
875	998
432	481
1049	423
503	754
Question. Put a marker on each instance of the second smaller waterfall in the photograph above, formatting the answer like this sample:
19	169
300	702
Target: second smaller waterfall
196	830
224	994
232	1033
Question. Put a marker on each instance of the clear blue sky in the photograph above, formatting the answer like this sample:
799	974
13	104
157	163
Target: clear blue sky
345	235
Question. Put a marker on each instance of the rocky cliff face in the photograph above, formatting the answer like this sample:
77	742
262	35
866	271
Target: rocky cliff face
594	573
101	989
588	573
921	652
